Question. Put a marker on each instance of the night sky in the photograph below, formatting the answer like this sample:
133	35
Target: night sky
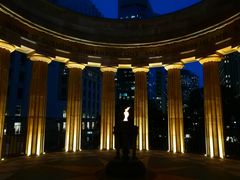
109	8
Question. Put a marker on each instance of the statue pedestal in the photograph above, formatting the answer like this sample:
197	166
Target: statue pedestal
123	165
131	168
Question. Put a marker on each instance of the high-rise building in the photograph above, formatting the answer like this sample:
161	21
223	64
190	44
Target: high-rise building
189	81
18	90
134	9
85	7
229	72
157	91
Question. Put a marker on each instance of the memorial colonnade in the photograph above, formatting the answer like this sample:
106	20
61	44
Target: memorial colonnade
37	105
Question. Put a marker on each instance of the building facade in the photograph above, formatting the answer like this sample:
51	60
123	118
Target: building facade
135	9
229	73
85	7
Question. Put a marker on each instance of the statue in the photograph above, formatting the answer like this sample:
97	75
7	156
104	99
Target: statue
126	137
125	140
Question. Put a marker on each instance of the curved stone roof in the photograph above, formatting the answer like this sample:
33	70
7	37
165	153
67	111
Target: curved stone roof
193	32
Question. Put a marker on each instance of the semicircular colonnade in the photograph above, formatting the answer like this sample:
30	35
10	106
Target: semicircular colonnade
170	41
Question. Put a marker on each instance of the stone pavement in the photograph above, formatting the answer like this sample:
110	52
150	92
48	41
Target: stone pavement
89	165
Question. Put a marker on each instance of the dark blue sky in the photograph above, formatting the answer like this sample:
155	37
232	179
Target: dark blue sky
109	8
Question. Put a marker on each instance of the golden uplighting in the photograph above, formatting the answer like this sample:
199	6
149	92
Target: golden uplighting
153	65
141	107
108	69
188	60
7	46
140	69
75	65
226	50
211	58
74	108
124	66
107	109
213	109
39	57
94	64
175	110
61	59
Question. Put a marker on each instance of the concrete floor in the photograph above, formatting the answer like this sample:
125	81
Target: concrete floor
89	165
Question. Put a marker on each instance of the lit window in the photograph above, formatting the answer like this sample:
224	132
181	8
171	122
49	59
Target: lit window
132	17
58	127
83	125
89	132
5	131
93	124
64	125
88	125
17	127
18	110
64	113
188	136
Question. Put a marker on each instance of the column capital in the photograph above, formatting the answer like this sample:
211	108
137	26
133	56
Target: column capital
71	65
211	58
109	69
140	69
39	57
5	45
174	66
238	48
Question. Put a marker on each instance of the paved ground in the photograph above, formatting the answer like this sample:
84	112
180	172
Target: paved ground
89	165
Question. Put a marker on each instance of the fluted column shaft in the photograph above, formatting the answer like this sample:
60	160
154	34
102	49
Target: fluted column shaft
175	110
214	138
141	107
5	50
74	108
107	140
37	105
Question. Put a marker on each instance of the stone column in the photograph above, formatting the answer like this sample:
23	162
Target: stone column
175	109
5	50
108	108
37	105
74	108
213	107
141	107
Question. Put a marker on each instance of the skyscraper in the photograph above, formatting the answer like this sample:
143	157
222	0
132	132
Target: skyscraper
134	9
157	91
229	72
190	81
85	7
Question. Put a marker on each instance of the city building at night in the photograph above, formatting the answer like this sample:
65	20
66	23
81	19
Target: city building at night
66	78
229	73
189	83
135	9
